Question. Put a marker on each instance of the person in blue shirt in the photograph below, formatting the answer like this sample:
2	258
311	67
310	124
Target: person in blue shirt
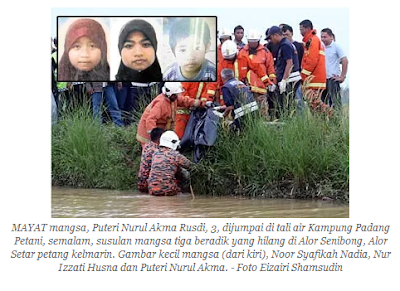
190	40
287	70
239	100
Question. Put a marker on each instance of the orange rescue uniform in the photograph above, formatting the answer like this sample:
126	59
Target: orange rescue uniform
196	91
240	66
161	113
219	53
264	58
313	63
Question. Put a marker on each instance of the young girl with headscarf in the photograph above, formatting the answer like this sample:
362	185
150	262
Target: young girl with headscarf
137	45
85	53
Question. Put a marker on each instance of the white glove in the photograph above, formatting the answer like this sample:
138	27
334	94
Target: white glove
282	86
219	114
219	108
271	88
209	104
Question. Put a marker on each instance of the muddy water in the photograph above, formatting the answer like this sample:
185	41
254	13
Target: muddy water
67	202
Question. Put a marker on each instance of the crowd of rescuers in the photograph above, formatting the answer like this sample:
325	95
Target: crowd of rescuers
269	77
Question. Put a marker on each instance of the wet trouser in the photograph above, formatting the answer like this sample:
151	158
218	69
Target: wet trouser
166	190
142	185
331	95
180	184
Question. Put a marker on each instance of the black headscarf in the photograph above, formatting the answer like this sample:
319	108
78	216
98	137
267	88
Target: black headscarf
152	73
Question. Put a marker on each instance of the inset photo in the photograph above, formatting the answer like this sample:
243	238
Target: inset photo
83	44
134	51
189	52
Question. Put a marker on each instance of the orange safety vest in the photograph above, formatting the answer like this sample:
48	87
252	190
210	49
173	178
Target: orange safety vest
196	91
264	58
240	66
161	113
313	63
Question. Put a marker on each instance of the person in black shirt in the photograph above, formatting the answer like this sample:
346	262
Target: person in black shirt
287	32
273	48
287	70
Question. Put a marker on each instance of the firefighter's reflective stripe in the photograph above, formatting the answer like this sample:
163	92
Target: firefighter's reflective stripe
196	103
201	85
141	138
182	111
294	77
239	112
316	85
272	76
264	78
321	52
305	72
258	90
211	92
236	70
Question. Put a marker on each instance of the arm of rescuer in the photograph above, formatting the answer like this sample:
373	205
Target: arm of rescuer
186	101
259	70
214	86
287	54
156	113
182	161
192	90
229	102
311	58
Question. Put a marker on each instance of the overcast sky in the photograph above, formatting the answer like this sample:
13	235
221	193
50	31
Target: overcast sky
258	18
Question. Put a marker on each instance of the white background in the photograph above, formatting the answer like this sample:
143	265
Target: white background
26	159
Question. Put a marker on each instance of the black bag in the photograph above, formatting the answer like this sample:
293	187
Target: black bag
201	132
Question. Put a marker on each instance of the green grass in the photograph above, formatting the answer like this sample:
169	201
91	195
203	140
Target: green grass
86	154
305	156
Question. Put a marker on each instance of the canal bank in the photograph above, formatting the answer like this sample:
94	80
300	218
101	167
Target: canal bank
305	156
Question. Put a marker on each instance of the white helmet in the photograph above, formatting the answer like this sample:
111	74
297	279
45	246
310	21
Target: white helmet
169	139
171	88
229	49
224	33
254	35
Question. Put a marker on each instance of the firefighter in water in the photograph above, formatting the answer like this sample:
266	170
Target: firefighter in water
147	155
165	165
161	112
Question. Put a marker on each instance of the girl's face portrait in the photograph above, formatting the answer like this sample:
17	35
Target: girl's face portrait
137	52
84	54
